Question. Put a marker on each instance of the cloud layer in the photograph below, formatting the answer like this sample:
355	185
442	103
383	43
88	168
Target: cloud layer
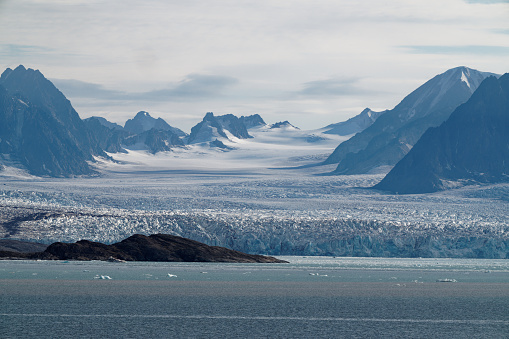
313	63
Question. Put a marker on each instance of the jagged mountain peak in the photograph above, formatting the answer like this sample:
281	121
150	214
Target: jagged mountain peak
395	132
284	125
49	138
252	121
143	122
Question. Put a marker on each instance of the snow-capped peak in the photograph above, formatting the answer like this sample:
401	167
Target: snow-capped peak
465	79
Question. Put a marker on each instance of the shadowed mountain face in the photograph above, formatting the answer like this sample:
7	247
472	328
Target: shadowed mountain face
472	145
157	247
40	129
108	136
252	121
213	127
143	122
155	140
395	132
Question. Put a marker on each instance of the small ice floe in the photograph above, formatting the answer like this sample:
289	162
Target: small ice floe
102	277
171	275
447	280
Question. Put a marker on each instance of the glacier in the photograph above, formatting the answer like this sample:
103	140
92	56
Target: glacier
253	213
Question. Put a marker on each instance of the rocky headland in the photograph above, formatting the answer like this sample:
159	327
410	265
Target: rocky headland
156	247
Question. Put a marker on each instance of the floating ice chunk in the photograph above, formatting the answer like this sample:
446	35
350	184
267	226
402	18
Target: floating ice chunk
102	277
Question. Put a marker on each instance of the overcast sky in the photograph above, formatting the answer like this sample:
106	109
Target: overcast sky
309	62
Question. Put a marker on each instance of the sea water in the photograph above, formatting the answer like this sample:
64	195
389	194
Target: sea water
314	297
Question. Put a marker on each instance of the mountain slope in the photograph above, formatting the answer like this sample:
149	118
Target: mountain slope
40	130
143	122
233	125
355	124
251	121
153	140
207	130
107	135
472	145
395	132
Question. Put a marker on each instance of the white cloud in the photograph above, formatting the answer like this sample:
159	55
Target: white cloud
272	58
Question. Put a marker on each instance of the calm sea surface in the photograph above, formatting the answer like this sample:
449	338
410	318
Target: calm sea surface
314	297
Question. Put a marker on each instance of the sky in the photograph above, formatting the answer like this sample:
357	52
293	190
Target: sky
310	62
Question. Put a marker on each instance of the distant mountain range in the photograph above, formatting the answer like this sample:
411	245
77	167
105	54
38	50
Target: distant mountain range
43	134
471	146
390	137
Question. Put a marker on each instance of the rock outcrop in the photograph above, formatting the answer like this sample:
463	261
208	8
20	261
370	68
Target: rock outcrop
157	247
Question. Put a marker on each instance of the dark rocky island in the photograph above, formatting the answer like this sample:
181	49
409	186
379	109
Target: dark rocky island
157	247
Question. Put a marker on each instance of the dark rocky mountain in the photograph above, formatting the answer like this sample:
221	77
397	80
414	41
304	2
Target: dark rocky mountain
251	121
208	129
159	136
157	247
395	132
233	125
40	129
214	127
106	123
471	146
143	122
354	125
106	135
153	140
219	144
283	124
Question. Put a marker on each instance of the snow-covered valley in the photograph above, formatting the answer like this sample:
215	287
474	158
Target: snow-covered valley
253	198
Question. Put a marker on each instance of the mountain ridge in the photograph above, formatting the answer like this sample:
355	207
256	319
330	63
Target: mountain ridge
472	145
395	132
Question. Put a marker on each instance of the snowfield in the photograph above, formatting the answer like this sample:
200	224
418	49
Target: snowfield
252	199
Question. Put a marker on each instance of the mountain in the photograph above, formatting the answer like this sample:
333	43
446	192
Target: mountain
106	123
153	140
233	125
106	135
284	125
207	130
395	132
212	127
143	122
354	125
472	145
251	121
40	129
